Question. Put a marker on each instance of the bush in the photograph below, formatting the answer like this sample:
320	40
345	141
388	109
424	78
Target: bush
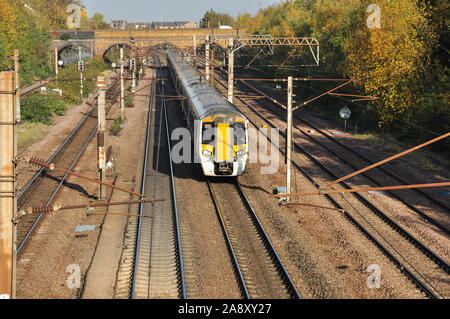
38	108
129	101
117	126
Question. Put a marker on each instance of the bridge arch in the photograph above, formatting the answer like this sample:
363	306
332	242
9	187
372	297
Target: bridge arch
108	53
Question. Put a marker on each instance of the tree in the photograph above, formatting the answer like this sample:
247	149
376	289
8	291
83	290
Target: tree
97	22
212	19
390	62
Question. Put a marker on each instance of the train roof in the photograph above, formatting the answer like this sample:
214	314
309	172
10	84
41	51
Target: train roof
206	99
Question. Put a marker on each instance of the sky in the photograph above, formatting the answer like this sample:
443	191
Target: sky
170	10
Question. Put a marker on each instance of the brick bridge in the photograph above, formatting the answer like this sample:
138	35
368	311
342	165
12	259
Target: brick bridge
98	42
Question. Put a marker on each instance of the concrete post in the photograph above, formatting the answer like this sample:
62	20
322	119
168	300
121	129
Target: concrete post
7	184
122	89
207	67
230	70
56	63
289	138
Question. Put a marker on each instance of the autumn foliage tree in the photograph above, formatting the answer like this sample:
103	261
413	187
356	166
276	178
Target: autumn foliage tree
390	62
405	62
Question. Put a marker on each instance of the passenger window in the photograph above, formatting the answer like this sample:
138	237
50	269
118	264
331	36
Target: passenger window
208	133
239	134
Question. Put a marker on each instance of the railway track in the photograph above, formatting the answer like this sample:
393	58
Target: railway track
379	176
152	263
44	186
259	269
427	270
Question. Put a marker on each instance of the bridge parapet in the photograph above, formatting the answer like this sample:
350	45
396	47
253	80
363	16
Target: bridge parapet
100	41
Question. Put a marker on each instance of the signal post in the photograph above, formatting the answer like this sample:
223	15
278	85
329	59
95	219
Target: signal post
122	89
101	136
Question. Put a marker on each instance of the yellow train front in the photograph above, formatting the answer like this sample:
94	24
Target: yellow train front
220	130
222	144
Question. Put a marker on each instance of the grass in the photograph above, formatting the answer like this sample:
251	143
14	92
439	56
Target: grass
29	133
422	157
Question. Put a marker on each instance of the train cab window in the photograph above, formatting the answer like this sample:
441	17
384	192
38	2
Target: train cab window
239	134
208	133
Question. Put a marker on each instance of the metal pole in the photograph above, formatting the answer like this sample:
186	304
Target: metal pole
81	84
56	63
208	68
18	119
213	55
101	136
230	70
81	73
195	50
133	56
7	184
289	138
122	90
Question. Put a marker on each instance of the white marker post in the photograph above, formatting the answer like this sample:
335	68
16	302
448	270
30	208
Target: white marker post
289	138
230	70
101	136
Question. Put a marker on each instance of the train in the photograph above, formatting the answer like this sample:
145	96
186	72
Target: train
219	129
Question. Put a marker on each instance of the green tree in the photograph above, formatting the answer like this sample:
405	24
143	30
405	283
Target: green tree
212	19
97	22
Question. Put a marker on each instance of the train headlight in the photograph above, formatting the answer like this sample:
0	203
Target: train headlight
240	153
206	152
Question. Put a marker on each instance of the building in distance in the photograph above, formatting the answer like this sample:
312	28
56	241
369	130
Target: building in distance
119	24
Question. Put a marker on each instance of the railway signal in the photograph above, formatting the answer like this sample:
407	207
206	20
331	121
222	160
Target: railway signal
81	66
133	64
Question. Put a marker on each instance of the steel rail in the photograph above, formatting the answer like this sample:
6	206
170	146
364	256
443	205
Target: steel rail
174	196
49	202
182	285
141	206
426	217
42	170
284	273
427	251
393	175
68	138
242	283
423	215
421	285
287	281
